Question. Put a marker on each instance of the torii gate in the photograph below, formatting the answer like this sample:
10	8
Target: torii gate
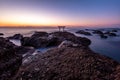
61	27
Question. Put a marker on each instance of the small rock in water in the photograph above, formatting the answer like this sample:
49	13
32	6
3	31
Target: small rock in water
103	36
83	32
1	34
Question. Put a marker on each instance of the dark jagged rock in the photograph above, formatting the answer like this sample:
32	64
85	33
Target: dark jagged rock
69	63
16	36
1	34
83	32
97	32
53	39
10	61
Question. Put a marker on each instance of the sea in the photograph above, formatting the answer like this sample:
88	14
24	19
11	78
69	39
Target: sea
109	47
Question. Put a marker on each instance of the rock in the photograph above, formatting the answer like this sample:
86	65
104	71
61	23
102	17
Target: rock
35	42
84	41
64	35
117	73
103	36
1	34
28	58
69	63
10	61
16	36
107	32
114	30
83	32
68	44
71	37
25	41
40	34
112	34
23	50
53	39
97	32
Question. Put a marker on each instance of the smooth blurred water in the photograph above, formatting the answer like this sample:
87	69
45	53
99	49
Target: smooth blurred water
24	31
109	47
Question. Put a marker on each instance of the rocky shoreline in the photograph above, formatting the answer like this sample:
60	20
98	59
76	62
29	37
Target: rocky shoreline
72	59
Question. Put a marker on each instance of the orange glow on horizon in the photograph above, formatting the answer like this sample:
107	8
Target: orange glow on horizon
45	20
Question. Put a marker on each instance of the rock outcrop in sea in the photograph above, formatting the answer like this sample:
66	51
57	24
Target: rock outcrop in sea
43	39
84	32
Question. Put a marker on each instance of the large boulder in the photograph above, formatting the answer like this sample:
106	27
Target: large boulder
10	61
35	42
70	63
16	36
71	37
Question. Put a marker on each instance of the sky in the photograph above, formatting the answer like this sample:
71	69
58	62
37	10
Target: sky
59	12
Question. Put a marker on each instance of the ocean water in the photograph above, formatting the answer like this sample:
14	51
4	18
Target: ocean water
109	47
24	31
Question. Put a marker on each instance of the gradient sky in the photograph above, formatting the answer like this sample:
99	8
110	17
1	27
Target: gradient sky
59	12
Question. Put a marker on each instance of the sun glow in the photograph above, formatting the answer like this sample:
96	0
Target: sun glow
28	19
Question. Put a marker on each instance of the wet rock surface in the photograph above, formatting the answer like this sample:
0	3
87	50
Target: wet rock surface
71	63
10	61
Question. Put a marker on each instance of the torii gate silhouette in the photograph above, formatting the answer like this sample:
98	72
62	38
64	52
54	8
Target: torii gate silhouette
61	27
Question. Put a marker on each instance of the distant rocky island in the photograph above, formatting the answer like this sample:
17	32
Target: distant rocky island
69	59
